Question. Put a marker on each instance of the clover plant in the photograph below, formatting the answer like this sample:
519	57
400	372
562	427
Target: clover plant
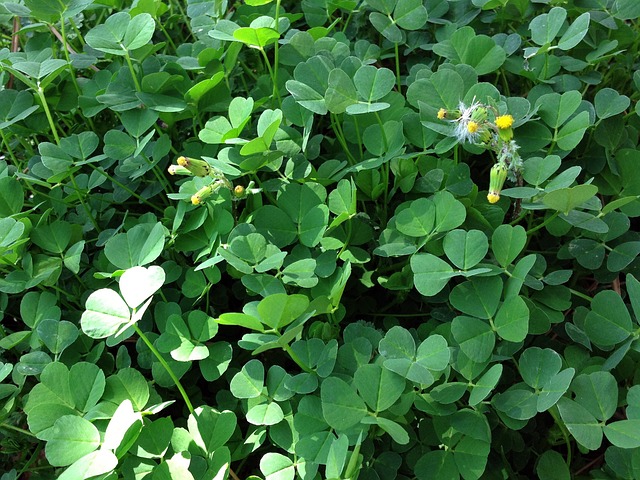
346	239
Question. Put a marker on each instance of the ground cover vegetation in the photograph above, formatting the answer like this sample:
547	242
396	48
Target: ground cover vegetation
319	239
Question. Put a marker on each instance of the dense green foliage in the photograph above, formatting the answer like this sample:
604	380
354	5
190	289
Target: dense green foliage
326	239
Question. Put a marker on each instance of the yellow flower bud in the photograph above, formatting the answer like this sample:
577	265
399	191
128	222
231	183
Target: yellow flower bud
472	127
442	114
178	170
238	191
485	136
202	194
479	114
199	168
496	181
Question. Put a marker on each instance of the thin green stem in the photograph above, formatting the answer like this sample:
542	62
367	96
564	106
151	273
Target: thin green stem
358	136
337	129
79	279
256	179
246	69
548	220
519	219
5	142
17	429
158	174
167	36
77	30
183	14
275	93
69	125
581	295
126	189
82	202
553	142
65	47
71	299
296	359
160	133
166	366
354	9
565	433
247	90
505	83
47	112
133	72
32	459
385	142
27	144
276	54
385	167
397	55
348	239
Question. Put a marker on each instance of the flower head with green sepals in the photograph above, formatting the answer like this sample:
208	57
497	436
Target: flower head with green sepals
474	125
467	128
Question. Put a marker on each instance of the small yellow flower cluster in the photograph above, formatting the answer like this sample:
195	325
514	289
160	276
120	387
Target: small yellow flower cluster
200	168
473	124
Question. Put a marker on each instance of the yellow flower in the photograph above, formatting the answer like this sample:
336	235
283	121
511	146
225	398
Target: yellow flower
504	121
442	114
472	127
